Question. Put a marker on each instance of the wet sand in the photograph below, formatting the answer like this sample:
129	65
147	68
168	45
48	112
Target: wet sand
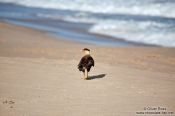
39	77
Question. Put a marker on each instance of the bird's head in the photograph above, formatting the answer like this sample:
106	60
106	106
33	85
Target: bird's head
86	51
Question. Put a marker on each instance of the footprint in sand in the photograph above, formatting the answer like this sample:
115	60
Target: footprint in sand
9	103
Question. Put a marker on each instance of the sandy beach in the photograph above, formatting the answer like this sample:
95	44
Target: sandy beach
39	77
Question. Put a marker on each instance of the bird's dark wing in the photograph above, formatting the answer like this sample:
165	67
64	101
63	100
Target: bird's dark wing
90	61
80	65
86	62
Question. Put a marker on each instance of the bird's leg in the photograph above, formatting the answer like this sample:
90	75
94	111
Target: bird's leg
86	74
83	75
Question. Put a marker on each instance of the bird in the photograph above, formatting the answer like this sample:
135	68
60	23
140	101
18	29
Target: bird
86	63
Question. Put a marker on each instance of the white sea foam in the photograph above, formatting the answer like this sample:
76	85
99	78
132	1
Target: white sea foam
149	32
164	8
143	32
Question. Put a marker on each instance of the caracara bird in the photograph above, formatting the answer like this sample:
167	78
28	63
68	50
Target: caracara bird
86	63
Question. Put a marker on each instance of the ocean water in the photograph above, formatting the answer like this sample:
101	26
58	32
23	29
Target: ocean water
142	21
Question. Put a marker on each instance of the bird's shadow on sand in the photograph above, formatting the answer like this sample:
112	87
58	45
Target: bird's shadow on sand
96	76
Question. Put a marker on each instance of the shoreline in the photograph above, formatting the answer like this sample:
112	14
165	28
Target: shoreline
77	35
39	71
59	44
78	32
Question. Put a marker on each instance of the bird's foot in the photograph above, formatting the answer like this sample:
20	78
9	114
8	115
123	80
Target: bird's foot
84	78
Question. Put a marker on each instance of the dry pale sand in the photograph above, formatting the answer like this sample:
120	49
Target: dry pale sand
39	77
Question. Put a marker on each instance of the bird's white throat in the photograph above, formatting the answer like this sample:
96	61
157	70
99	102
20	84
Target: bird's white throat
86	52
